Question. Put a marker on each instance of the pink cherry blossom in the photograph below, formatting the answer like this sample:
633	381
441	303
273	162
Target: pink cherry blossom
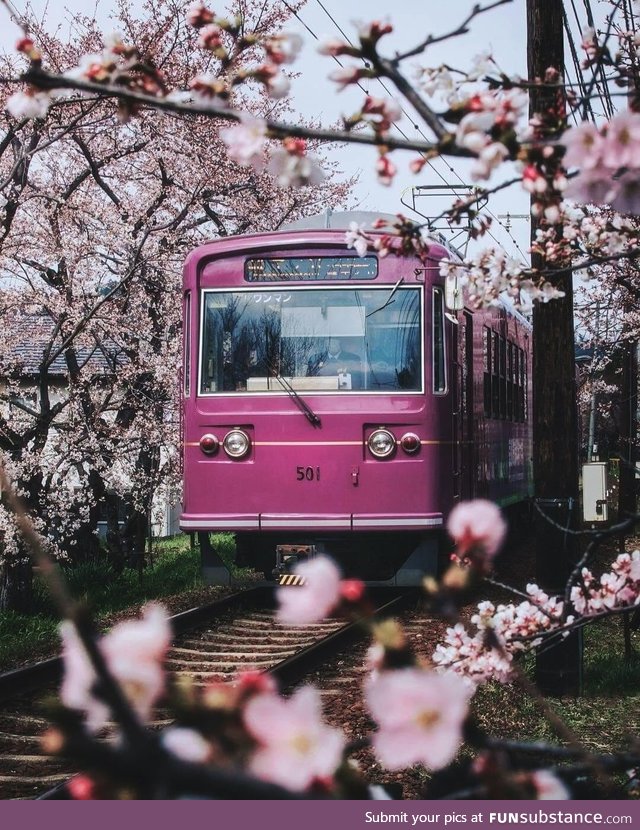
347	75
476	524
27	47
489	157
591	187
382	112
278	85
292	168
618	588
133	651
385	170
246	142
283	47
28	104
356	238
334	47
316	598
533	181
186	744
584	145
374	30
419	714
624	195
198	14
548	786
210	36
622	141
295	746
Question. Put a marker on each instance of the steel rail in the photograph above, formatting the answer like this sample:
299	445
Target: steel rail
29	678
290	671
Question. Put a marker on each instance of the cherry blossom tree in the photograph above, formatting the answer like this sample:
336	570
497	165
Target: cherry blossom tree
98	215
477	112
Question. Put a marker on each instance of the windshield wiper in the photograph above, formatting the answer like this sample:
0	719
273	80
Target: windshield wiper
302	405
389	298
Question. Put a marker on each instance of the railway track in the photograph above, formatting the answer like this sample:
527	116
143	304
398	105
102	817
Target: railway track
212	643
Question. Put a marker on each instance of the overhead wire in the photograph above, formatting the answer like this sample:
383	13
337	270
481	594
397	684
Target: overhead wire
587	108
603	91
429	162
410	117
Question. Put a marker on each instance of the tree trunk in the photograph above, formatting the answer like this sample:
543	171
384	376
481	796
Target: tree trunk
16	587
555	419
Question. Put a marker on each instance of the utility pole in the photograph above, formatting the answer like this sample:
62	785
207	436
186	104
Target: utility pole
555	419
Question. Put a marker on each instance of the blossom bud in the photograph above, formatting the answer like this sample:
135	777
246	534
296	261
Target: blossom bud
389	635
352	590
198	15
456	578
28	48
295	146
82	788
52	742
255	682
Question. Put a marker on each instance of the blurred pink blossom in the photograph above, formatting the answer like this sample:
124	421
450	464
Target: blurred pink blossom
210	37
283	47
29	104
584	144
548	786
347	75
295	746
622	141
385	170
133	651
198	14
476	524
245	142
293	167
356	238
420	715
186	744
316	598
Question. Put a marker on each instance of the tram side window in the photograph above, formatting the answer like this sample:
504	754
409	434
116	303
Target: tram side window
525	395
486	350
517	409
505	378
438	333
495	375
510	350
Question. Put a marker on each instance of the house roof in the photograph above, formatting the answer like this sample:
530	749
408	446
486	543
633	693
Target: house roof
30	338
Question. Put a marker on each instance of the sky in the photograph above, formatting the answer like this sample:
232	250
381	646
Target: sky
502	31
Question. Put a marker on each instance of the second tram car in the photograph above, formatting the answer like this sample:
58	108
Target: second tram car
332	404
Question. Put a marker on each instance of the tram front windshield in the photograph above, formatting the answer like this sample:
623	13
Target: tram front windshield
312	339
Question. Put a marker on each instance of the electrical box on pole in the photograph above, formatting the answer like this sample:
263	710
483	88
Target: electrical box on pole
595	492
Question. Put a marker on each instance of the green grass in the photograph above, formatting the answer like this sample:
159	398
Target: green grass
22	635
602	718
174	569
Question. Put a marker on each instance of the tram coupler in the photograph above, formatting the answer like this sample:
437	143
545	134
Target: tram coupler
287	557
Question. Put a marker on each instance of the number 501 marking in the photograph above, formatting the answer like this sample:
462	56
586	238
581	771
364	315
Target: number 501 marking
308	473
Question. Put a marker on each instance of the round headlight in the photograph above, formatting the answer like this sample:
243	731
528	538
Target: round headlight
209	444
410	443
236	443
382	443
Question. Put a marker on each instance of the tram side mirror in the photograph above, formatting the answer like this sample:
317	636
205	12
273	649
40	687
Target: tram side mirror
453	299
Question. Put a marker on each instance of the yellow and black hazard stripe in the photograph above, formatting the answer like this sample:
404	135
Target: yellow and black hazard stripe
291	579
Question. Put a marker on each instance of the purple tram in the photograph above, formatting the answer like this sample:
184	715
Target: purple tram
332	403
